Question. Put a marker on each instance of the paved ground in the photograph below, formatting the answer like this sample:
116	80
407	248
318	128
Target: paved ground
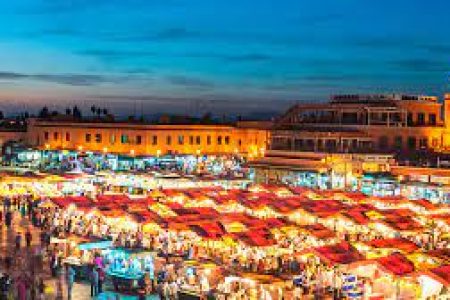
22	263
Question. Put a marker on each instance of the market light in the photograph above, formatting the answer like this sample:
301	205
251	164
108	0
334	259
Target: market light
158	152
47	146
132	152
105	150
80	148
198	151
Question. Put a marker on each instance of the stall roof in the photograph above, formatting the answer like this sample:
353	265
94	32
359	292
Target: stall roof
425	204
319	231
443	272
255	238
210	230
396	243
339	254
396	264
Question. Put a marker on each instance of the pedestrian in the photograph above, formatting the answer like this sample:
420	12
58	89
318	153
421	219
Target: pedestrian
94	282
18	240
8	219
28	238
70	280
53	264
22	210
41	289
101	279
21	288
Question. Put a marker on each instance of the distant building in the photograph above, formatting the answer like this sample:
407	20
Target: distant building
329	145
133	138
365	123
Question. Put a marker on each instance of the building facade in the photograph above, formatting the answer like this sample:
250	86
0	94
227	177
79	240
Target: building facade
247	138
366	123
335	144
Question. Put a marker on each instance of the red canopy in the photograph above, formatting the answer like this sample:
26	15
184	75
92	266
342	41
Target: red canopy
396	264
443	272
339	254
397	243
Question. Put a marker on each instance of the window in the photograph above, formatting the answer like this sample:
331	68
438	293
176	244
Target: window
112	138
55	136
423	143
421	119
219	140
169	140
432	119
398	142
124	139
434	142
412	142
383	142
98	138
46	135
138	140
198	140
87	138
191	140
227	140
180	140
208	140
410	119
155	140
67	136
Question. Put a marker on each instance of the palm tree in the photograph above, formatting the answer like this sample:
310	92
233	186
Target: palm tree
93	110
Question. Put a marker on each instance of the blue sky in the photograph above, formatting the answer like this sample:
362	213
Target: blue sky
236	56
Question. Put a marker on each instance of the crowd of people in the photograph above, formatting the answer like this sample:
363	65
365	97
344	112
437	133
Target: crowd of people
23	278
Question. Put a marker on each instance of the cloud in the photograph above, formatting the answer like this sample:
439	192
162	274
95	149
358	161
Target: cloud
110	54
189	82
175	33
64	79
250	57
420	65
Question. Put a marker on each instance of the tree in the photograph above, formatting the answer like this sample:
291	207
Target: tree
99	111
105	111
1	115
206	118
68	111
76	112
54	113
44	112
93	109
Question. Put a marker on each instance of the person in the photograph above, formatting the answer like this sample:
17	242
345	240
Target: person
5	283
18	240
28	238
8	218
21	288
41	289
94	282
22	210
101	279
70	280
53	264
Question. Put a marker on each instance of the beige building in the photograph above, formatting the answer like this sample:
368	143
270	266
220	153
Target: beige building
247	138
366	123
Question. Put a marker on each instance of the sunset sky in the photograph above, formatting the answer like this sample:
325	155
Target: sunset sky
234	56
